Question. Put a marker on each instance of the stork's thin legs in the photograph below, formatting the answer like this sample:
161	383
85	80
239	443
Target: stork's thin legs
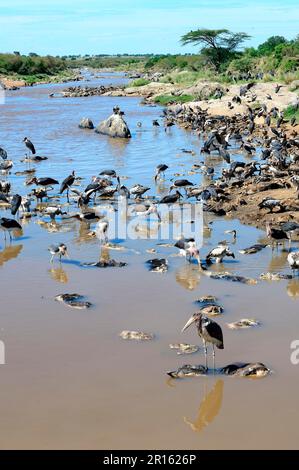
213	358
67	195
52	258
206	354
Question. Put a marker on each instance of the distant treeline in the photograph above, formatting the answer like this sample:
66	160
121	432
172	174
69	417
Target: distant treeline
276	54
31	64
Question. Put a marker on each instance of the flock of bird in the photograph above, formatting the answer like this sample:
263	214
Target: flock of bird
279	158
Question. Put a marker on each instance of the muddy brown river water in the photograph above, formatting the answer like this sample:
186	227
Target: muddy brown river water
69	381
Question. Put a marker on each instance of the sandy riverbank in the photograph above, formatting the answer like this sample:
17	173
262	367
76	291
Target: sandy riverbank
260	93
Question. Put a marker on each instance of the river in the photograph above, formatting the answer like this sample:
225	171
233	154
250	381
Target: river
69	381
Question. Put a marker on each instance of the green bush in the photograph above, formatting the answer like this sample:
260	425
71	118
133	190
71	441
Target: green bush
164	100
30	65
139	82
290	112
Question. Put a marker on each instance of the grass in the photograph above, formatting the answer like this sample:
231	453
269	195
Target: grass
187	78
290	112
43	77
139	82
164	100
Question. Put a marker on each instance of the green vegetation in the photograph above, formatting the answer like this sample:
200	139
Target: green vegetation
291	112
139	82
275	59
170	99
186	77
219	59
219	45
30	65
115	62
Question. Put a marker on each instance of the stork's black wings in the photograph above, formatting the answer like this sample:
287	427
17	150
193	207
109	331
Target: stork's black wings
30	146
15	203
9	223
3	153
67	182
215	331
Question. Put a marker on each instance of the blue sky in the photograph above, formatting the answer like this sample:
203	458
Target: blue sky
135	26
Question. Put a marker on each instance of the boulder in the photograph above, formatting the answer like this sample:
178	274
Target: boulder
114	126
86	123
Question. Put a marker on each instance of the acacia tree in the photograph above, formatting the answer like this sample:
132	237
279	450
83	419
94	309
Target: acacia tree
218	45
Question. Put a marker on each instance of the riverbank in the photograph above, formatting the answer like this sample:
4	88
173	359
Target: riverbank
216	98
15	82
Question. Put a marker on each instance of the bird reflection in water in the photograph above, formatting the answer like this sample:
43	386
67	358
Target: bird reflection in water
188	276
85	235
10	252
58	275
208	408
278	262
293	288
53	226
118	148
161	188
104	253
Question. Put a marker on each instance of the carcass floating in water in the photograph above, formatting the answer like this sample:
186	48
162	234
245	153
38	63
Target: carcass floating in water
231	277
111	263
137	335
157	265
73	300
243	323
208	305
184	348
238	369
275	276
253	249
206	299
188	370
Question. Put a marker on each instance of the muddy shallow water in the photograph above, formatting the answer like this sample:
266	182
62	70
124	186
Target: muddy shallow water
69	381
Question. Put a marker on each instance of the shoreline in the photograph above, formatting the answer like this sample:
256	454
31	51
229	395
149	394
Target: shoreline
11	83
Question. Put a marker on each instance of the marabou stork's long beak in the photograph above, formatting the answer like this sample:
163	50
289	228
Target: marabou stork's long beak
189	322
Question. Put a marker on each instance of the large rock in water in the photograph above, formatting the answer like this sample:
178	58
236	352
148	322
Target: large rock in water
86	123
114	126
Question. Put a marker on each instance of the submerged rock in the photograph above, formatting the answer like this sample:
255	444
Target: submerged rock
114	126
